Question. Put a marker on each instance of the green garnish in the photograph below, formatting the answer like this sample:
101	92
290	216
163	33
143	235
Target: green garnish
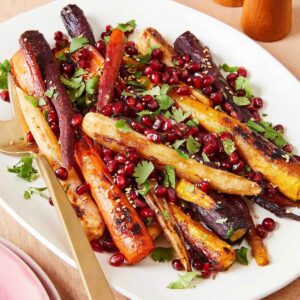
4	70
179	115
241	256
229	69
145	188
205	157
123	126
34	101
242	83
229	146
177	144
182	154
230	233
170	178
91	85
241	101
33	190
78	43
51	93
142	171
192	145
162	254
127	27
24	168
184	280
192	122
166	215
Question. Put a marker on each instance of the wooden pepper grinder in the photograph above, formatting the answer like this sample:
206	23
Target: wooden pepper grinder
232	3
267	20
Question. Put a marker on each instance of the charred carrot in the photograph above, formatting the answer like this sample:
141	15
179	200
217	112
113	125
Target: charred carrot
125	226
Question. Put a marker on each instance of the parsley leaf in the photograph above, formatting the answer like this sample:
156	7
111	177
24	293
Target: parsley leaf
229	146
205	157
179	115
34	101
24	168
79	72
182	154
241	101
136	83
184	280
230	232
166	215
192	122
192	145
4	70
242	83
72	83
33	190
164	101
91	85
177	144
142	171
218	107
241	255
170	178
123	126
145	188
51	93
162	254
78	43
229	69
254	126
149	221
127	27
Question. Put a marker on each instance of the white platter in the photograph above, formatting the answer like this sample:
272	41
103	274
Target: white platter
271	81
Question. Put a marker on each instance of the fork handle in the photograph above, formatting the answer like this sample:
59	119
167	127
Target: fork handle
90	271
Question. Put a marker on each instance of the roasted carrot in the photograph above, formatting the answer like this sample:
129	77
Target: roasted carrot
125	226
114	57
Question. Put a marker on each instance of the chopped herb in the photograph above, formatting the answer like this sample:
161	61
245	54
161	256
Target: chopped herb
155	91
144	113
241	101
164	101
177	144
127	27
123	126
192	145
72	83
182	154
229	69
142	171
218	107
4	70
221	221
184	280
241	255
106	39
170	178
34	101
42	102
166	215
230	233
61	56
136	83
78	43
149	221
138	74
91	85
126	94
145	188
167	114
254	126
79	72
205	157
52	93
192	122
144	59
242	83
179	115
162	254
229	146
33	190
24	168
164	89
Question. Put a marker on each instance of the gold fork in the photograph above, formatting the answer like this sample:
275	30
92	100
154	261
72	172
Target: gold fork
13	142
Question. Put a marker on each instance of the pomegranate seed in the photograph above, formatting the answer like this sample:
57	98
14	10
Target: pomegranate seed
204	186
165	77
51	118
183	91
147	121
4	95
121	181
109	246
117	260
155	64
29	137
107	110
121	171
190	80
279	127
130	102
120	158
211	147
194	67
148	71
137	126
139	203
61	173
155	78
256	116
147	98
108	28
139	106
177	265
58	35
147	212
177	61
132	157
197	264
157	124
207	90
184	74
288	148
107	152
271	191
83	188
225	165
206	270
238	167
261	231
168	124
96	246
225	135
257	102
197	82
193	131
76	120
131	51
208	81
83	54
242	71
104	34
171	195
231	78
157	54
171	136
160	191
234	158
173	80
186	58
111	166
129	168
117	107
152	136
100	46
216	98
153	105
50	201
258	177
269	224
54	128
240	93
82	63
67	68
